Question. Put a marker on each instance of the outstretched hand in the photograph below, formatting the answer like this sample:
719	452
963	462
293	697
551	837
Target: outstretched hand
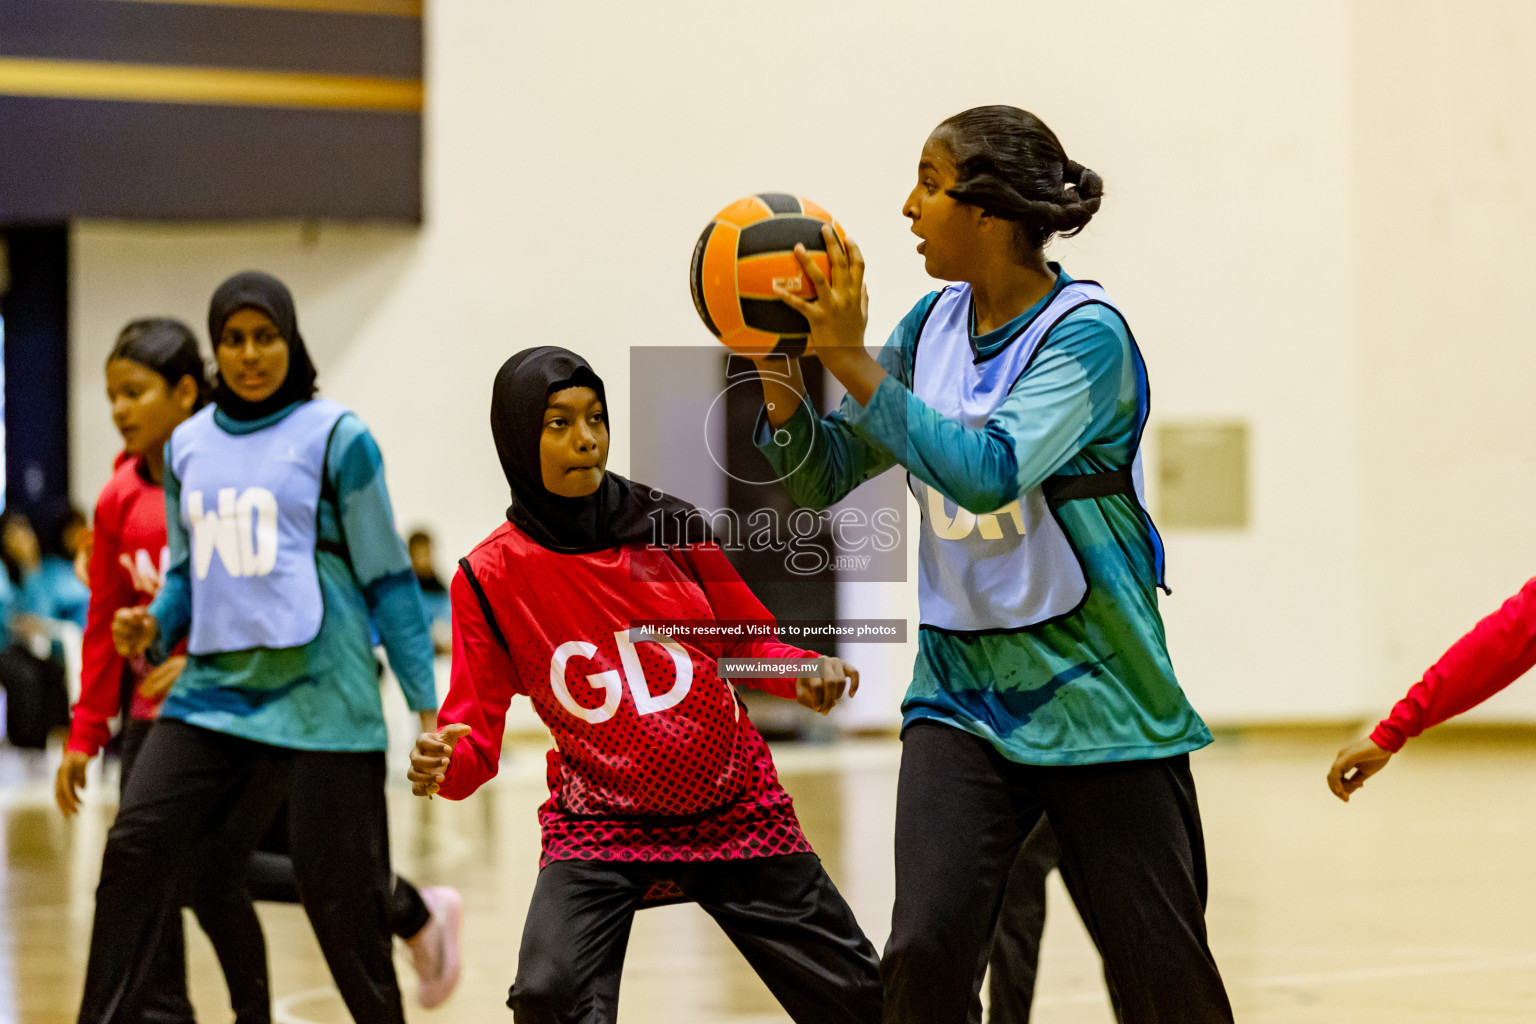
1356	763
429	758
821	693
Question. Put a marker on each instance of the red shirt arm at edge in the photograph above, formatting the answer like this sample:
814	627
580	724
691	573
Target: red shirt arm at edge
1497	651
731	599
101	667
481	685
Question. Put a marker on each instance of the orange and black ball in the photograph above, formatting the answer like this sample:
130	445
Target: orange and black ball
744	251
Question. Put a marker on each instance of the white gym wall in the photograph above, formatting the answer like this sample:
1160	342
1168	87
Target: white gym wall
1320	219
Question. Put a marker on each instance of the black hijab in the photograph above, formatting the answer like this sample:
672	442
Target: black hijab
256	290
619	512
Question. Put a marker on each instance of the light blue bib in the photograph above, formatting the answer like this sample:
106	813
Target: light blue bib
249	503
1014	567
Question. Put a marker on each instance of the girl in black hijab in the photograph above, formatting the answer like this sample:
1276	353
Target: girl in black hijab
253	289
660	787
279	698
619	512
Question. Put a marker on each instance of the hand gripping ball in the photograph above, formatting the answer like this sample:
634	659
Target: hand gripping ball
744	251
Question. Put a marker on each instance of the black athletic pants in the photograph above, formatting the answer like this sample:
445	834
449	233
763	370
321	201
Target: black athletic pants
223	909
1014	961
197	798
270	879
226	915
1132	853
783	913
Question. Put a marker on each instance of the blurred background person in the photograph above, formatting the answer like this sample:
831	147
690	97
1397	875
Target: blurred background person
40	565
73	544
434	594
44	596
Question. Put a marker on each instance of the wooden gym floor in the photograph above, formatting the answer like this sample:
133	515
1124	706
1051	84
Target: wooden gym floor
1416	903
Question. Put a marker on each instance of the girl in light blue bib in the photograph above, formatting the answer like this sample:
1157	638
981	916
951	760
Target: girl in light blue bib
1015	397
283	557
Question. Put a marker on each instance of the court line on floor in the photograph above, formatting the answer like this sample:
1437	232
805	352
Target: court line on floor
282	1007
283	1011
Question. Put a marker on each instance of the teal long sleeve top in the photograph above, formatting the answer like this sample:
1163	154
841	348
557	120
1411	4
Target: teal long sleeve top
1097	685
323	695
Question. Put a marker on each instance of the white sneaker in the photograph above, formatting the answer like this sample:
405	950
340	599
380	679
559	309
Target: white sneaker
435	949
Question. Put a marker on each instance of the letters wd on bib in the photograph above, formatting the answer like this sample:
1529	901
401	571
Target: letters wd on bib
250	502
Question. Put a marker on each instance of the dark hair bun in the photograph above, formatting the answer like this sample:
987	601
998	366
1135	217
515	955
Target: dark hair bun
1013	167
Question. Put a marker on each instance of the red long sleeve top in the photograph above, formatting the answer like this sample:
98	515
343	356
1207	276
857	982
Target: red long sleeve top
128	560
654	757
1497	651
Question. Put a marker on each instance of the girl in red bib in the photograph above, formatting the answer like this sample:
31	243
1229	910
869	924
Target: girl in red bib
659	783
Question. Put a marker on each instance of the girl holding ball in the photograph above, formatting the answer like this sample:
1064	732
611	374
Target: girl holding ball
1015	398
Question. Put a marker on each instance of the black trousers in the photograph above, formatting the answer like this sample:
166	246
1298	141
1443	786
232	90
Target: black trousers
224	911
196	798
1014	962
1132	854
37	700
783	913
271	879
